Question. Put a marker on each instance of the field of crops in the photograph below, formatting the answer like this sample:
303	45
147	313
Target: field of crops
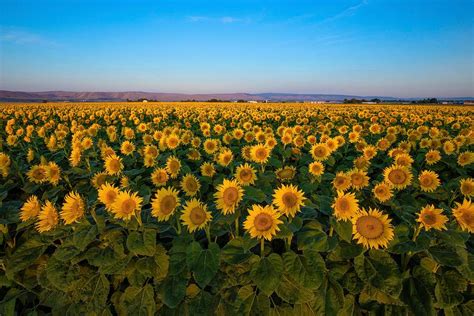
236	209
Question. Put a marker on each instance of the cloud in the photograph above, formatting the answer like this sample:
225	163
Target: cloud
222	19
347	12
24	37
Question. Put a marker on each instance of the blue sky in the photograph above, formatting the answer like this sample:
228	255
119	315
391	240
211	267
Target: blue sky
403	48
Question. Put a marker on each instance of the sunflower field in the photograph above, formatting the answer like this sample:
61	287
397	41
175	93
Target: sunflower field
236	209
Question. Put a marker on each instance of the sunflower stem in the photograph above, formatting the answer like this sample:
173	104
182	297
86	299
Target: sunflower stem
331	231
139	219
262	247
178	226
208	234
237	227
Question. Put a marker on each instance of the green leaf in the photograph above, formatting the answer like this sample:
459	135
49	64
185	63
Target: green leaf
25	255
84	236
246	297
142	244
173	290
307	269
254	194
202	304
445	255
203	263
267	273
329	298
138	301
349	306
312	236
448	289
343	229
292	292
381	271
417	297
237	250
162	261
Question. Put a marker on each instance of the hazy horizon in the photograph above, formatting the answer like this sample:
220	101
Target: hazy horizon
349	47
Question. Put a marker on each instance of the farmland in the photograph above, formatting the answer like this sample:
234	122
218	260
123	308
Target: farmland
236	209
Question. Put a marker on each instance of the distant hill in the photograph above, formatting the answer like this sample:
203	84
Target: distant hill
20	96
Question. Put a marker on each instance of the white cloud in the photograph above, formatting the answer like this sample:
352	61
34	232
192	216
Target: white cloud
18	36
222	19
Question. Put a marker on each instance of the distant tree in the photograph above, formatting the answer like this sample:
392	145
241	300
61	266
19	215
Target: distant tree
45	101
376	100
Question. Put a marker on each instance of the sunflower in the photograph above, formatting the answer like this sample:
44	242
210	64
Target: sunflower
432	157
465	158
113	165
286	173
127	148
382	192
107	195
467	187
431	217
172	141
228	196
190	185
99	179
225	157
464	214
159	177
48	218
173	165
210	146
320	152
73	208
259	153
30	209
126	205
429	181
288	199
345	205
164	203
38	174
372	229
246	174
53	173
208	170
195	215
316	168
262	222
359	179
342	181
397	177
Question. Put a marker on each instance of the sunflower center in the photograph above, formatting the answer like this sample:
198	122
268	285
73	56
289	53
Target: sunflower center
286	173
110	196
128	206
369	227
191	185
397	176
263	222
343	204
426	181
174	166
289	199
357	179
245	175
197	216
319	152
468	218
230	195
261	153
161	177
167	204
114	165
429	219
